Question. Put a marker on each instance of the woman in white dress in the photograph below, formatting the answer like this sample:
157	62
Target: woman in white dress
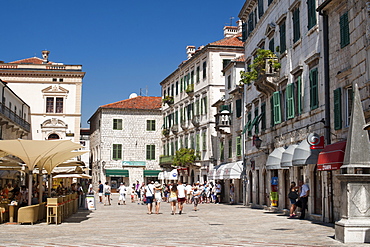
157	196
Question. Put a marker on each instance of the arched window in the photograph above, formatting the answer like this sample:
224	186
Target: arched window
53	137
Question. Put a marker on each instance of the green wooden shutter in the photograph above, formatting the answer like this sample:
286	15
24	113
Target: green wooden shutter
296	26
299	95
238	104
311	13
290	100
337	109
198	142
344	30
272	110
204	140
282	37
314	100
277	108
238	146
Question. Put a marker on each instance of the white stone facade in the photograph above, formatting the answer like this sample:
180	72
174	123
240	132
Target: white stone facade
134	138
194	87
53	91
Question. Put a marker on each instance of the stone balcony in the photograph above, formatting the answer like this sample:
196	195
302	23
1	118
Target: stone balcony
223	122
267	81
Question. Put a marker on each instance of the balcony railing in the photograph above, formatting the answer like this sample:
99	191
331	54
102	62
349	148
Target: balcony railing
12	116
175	129
223	121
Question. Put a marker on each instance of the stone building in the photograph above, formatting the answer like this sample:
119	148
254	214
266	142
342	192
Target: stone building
299	113
229	126
53	92
188	93
284	109
125	141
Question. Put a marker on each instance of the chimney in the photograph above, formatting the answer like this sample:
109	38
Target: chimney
45	56
230	31
190	50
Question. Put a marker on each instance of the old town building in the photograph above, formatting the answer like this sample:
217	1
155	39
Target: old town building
53	92
188	93
125	141
298	112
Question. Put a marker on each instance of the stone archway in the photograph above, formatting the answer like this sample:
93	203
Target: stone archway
53	137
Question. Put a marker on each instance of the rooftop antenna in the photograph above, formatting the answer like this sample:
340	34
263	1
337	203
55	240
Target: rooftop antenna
146	91
231	20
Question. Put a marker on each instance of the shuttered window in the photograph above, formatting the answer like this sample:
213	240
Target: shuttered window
337	109
282	33
117	152
290	100
260	8
277	107
299	95
117	124
238	146
230	148
272	45
204	141
296	26
238	104
344	30
150	152
311	13
314	93
150	125
263	116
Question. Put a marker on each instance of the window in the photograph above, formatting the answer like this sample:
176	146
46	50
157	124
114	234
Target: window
314	92
311	13
197	74
296	26
282	33
260	8
204	141
192	77
348	103
276	107
197	142
50	105
177	87
222	154
256	119
117	124
249	117
344	30
290	101
117	151
192	146
150	152
197	108
238	146
150	125
263	116
225	62
337	109
250	23
298	95
244	32
230	148
228	81
272	45
238	104
204	69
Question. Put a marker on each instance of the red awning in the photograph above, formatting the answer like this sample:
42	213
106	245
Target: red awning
331	158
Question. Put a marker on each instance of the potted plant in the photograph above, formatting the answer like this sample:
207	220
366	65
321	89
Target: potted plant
190	89
168	99
264	59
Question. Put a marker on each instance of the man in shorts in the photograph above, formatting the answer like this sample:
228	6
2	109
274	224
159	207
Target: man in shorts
100	192
181	196
149	195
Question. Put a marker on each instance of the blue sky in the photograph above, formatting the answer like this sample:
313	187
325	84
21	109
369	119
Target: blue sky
123	46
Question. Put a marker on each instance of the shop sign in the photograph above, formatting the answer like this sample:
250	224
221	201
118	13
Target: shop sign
133	163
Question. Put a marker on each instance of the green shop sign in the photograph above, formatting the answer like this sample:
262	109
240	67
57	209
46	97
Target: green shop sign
133	163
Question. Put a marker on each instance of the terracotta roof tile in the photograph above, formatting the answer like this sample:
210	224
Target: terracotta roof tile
240	59
230	41
32	60
139	103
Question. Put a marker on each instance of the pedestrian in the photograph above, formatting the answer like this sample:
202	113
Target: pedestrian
303	198
100	192
122	194
173	198
232	193
149	196
133	194
181	196
189	190
90	190
138	191
293	196
107	191
218	192
157	196
196	194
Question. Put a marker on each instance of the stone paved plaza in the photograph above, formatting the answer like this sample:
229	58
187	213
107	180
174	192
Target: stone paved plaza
212	225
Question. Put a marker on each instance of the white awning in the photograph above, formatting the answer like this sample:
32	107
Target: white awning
286	159
73	176
233	170
274	159
220	171
303	154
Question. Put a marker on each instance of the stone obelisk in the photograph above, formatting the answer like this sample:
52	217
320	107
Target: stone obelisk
354	226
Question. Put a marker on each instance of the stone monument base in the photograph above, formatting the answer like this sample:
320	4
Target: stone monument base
353	230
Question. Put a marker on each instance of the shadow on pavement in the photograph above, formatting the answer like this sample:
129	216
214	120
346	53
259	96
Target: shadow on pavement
78	217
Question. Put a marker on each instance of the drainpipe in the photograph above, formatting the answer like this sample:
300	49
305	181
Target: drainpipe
325	35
